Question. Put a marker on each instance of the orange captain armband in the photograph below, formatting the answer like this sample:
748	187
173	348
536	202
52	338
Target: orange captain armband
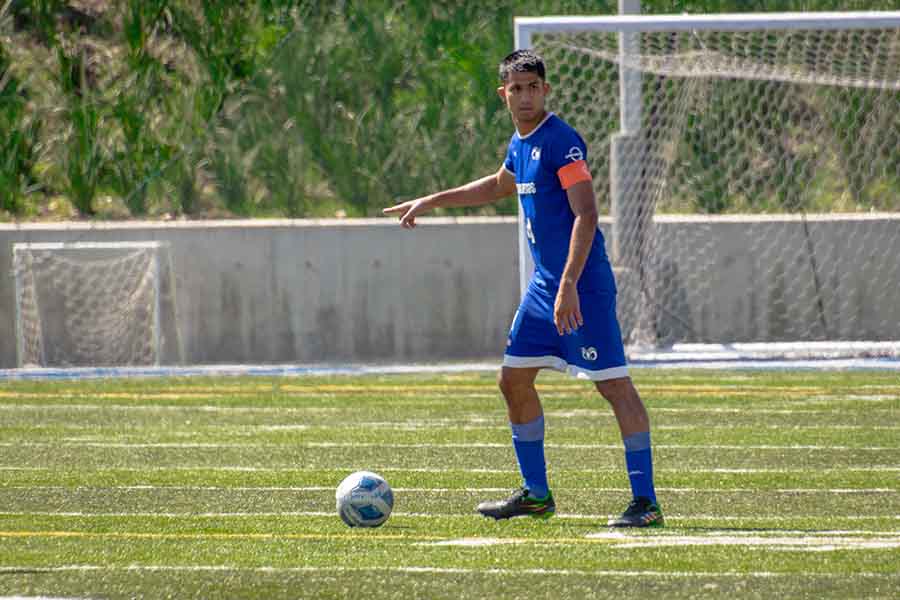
573	173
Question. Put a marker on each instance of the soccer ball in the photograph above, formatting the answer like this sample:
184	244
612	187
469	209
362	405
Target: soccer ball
364	499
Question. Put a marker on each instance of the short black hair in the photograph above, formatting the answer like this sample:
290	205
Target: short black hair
522	61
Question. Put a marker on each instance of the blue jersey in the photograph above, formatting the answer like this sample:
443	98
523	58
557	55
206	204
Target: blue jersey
546	162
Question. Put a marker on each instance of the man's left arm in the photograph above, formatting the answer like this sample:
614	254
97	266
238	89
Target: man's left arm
567	308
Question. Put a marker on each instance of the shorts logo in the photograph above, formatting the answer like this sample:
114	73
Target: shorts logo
526	188
536	153
589	353
575	154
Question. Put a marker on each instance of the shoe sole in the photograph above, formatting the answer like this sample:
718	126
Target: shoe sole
541	515
544	515
657	524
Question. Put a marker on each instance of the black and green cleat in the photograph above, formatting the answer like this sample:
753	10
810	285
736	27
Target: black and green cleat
519	505
642	512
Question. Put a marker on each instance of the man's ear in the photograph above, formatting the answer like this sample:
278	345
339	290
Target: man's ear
546	88
501	91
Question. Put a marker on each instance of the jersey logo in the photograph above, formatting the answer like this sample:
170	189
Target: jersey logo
575	154
589	353
526	188
529	233
536	153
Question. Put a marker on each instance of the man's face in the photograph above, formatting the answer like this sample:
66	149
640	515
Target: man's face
524	93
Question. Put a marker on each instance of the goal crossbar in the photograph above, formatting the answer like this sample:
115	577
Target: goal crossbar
526	26
87	245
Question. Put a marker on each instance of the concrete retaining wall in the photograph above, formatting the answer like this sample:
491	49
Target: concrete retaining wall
367	291
314	291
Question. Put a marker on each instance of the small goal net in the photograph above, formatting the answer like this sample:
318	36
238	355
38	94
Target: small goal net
750	164
88	303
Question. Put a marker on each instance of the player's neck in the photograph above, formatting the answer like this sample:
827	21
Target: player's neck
526	127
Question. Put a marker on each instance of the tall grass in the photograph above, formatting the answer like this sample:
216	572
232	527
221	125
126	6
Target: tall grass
282	107
18	142
133	90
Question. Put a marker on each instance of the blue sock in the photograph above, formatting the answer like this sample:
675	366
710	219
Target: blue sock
528	440
639	460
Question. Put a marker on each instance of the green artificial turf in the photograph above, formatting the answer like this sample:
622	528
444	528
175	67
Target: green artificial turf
774	484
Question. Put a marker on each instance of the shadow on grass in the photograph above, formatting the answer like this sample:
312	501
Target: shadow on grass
701	529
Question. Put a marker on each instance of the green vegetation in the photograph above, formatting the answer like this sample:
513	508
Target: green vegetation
206	108
775	484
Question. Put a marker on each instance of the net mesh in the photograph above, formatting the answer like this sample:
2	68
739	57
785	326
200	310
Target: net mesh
87	307
779	145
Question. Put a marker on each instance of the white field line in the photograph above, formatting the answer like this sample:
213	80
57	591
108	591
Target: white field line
710	538
802	542
305	410
816	543
614	540
213	445
440	571
465	425
39	597
602	446
792	427
414	515
618	540
350	468
470	542
445	490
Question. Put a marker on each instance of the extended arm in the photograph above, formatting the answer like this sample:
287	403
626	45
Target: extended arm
475	193
567	309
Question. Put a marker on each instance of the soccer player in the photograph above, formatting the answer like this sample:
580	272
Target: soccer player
567	318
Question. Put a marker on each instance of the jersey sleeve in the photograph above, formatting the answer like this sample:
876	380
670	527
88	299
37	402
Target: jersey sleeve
568	158
508	163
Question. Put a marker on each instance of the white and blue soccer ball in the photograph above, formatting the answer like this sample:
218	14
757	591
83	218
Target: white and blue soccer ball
364	499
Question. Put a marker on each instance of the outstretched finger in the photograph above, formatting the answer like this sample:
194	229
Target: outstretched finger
393	209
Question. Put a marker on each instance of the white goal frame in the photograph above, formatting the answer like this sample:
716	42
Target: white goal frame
628	27
526	27
20	284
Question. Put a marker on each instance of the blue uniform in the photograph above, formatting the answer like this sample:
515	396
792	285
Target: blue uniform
545	163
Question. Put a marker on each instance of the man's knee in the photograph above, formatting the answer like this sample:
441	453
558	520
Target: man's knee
617	390
513	381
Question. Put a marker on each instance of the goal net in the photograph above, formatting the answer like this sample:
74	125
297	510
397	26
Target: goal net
750	165
88	304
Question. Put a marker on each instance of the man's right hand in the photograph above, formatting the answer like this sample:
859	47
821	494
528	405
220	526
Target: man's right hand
407	211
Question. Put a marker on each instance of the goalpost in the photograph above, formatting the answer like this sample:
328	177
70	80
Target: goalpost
88	303
756	144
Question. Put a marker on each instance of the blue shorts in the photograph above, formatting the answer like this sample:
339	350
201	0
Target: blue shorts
594	351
